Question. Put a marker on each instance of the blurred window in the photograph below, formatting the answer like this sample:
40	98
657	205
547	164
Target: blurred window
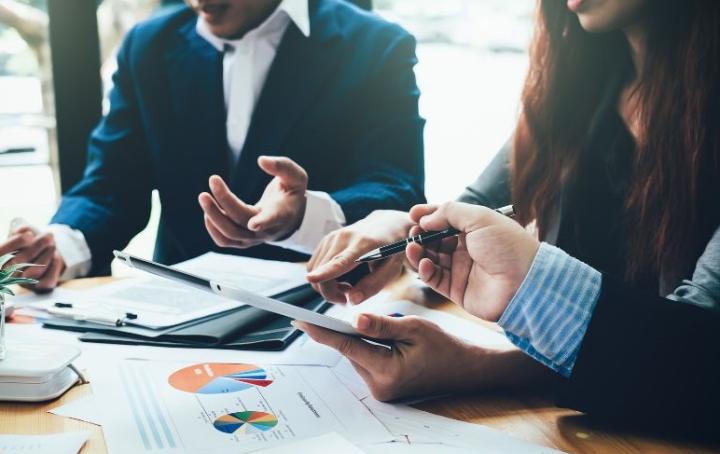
473	59
26	111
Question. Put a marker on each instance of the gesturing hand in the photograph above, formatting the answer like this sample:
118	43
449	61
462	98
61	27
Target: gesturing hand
482	268
279	212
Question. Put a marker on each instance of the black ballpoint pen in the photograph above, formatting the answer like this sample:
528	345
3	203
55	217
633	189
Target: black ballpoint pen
425	237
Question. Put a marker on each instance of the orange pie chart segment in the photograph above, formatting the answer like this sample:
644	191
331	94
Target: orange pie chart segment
218	378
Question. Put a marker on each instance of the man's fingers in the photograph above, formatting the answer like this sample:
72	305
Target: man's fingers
24	229
52	274
265	219
318	253
414	253
419	211
217	236
291	175
434	276
236	209
415	230
222	222
389	328
355	349
333	291
340	264
36	247
462	216
17	242
43	260
221	240
330	289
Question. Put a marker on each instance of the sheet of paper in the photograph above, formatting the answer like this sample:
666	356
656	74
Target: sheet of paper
267	277
157	302
59	294
211	407
416	427
61	443
29	304
331	442
83	409
160	303
349	377
405	448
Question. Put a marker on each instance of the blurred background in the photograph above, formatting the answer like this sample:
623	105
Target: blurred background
473	56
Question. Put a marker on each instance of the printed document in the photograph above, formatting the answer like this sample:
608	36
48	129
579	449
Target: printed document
225	407
158	303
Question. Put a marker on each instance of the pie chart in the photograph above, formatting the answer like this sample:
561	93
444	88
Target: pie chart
245	422
218	378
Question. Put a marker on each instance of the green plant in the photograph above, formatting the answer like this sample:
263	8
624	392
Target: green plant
8	275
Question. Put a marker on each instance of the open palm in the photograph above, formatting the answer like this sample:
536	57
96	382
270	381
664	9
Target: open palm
281	206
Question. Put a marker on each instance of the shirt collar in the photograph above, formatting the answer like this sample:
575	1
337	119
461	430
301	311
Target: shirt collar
296	11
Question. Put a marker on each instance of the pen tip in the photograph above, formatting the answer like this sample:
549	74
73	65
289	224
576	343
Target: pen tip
369	257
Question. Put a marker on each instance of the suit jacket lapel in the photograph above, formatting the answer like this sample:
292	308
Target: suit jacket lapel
195	78
301	67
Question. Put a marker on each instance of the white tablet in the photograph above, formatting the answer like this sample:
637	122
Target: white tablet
236	294
282	308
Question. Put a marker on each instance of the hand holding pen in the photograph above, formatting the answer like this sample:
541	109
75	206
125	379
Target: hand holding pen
337	255
423	238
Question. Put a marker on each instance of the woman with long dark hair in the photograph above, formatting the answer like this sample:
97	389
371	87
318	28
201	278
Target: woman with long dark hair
609	283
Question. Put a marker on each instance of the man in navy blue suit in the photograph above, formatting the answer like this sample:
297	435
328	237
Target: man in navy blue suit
263	124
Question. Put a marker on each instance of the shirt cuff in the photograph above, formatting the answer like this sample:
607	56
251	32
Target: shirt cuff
74	250
322	216
549	314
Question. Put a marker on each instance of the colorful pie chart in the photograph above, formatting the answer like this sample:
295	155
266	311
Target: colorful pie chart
218	378
245	422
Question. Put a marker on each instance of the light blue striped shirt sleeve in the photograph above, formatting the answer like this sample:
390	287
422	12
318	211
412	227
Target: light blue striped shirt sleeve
549	314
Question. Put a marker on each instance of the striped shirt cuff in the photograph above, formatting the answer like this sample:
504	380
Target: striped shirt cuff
549	314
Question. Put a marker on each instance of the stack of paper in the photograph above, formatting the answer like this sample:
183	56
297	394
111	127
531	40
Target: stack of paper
156	303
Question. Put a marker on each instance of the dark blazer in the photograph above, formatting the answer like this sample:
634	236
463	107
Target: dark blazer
650	357
343	103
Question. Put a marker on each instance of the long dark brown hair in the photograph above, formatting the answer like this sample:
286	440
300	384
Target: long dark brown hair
678	151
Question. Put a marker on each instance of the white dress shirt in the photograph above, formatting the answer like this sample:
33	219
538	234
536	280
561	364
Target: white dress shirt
246	63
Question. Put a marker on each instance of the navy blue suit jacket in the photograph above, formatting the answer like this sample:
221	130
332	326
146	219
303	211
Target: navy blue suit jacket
343	103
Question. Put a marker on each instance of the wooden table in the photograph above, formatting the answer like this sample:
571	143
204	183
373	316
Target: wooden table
531	418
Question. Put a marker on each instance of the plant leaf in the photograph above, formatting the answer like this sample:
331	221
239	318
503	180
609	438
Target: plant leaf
6	258
8	274
20	266
25	265
20	280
